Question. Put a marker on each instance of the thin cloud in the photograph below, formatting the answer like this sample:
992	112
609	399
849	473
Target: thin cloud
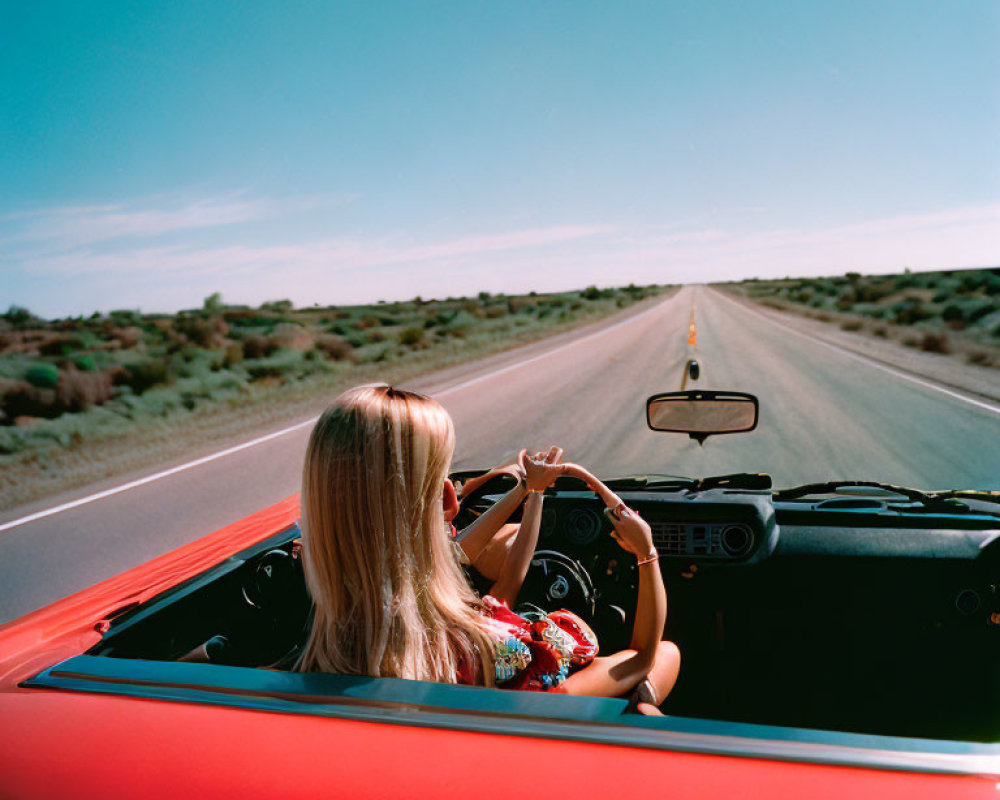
80	226
313	258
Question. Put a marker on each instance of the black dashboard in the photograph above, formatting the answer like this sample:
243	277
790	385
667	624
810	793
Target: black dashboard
744	527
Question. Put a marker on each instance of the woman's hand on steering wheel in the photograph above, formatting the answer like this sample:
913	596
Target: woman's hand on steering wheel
541	471
631	532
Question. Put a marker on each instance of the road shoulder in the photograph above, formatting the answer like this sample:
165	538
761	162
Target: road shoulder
980	382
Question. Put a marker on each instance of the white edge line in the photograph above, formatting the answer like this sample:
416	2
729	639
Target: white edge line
48	512
864	359
150	478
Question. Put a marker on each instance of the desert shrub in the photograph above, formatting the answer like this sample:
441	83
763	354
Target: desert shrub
125	316
204	331
144	374
442	318
85	363
22	399
592	293
19	317
952	313
278	306
128	337
61	345
292	336
281	364
376	336
78	391
979	311
259	347
44	376
232	355
521	305
979	357
935	343
910	311
367	321
495	312
882	332
335	348
248	318
972	281
410	337
851	325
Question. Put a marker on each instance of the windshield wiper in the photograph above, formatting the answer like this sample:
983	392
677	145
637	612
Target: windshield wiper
930	501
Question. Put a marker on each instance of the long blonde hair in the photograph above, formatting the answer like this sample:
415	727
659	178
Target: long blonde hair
390	596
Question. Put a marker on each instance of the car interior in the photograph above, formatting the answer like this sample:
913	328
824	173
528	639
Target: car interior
817	609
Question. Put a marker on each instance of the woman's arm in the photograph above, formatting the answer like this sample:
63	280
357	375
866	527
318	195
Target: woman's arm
477	535
633	534
539	475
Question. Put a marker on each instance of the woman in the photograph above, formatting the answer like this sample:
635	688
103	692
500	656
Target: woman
390	596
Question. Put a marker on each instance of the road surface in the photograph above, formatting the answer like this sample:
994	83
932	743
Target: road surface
825	414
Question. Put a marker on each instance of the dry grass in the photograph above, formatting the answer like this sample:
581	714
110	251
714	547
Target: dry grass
946	342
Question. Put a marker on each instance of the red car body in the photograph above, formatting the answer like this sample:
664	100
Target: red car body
62	744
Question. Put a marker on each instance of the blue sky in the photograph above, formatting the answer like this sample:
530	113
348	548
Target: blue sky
151	154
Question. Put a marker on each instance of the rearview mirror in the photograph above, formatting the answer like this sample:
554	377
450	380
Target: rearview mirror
701	414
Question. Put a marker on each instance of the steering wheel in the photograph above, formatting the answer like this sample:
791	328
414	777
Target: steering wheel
554	580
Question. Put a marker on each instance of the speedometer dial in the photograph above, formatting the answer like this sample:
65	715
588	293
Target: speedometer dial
582	526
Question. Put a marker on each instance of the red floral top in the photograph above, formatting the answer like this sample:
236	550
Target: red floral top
535	651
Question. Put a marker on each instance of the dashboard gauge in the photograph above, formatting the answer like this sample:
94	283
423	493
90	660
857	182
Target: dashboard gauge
582	526
968	601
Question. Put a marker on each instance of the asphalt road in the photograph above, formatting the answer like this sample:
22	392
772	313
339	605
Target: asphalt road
825	414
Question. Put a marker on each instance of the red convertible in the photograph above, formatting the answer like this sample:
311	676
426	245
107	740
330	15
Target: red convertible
838	640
